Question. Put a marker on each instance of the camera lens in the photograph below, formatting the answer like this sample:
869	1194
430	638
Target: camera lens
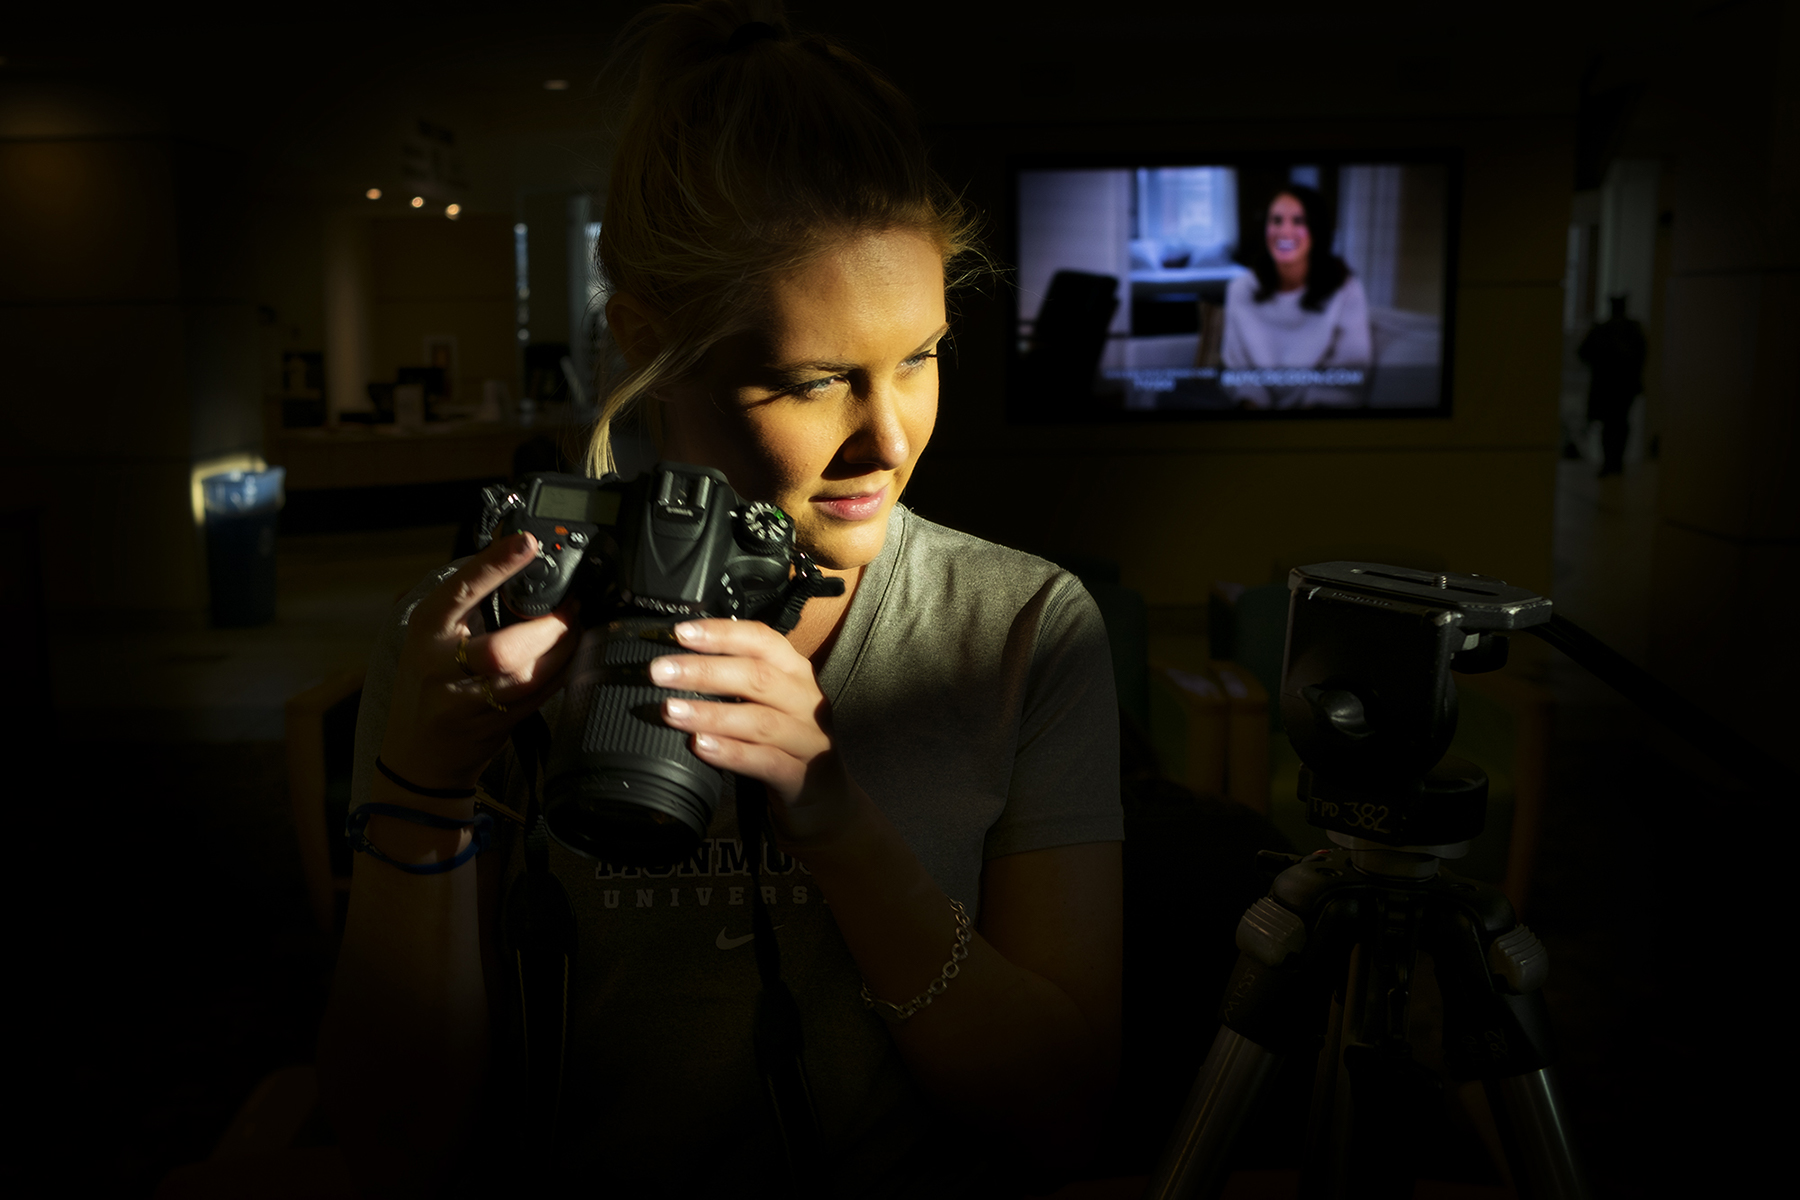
622	786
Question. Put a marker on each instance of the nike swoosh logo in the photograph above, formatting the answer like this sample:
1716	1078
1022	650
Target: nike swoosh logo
732	943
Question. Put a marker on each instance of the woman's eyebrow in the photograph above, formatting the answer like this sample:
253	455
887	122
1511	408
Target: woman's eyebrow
812	369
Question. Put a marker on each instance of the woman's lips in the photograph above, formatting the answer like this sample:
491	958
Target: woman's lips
859	507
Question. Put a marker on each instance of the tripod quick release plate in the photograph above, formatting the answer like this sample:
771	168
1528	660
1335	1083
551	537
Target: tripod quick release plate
1481	602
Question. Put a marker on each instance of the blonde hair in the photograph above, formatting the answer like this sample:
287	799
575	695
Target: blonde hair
744	151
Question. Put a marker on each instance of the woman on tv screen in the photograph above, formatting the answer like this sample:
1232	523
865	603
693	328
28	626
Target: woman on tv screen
1299	310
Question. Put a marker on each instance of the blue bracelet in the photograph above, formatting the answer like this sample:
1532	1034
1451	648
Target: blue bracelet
355	830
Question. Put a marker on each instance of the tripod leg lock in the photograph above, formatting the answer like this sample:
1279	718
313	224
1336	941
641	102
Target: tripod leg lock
1516	957
1269	932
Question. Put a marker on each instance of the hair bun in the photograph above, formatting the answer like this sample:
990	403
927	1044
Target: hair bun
749	33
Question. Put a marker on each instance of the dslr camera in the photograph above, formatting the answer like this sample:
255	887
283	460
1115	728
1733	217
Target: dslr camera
641	556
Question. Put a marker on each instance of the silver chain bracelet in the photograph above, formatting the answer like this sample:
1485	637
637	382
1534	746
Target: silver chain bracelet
900	1012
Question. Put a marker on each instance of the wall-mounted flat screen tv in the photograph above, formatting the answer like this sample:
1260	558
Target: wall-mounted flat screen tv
1231	286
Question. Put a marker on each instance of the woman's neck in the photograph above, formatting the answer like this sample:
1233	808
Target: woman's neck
1292	275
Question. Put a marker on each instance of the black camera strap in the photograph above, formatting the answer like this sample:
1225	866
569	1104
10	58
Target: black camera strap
808	581
778	1038
540	931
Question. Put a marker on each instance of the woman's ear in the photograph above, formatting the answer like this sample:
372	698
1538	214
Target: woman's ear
635	328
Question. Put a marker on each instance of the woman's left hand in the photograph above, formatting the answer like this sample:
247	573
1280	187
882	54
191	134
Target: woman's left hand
779	732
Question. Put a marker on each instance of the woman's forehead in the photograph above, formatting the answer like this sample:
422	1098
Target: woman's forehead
871	289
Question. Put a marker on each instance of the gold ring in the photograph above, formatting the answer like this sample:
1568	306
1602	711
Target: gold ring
462	658
488	694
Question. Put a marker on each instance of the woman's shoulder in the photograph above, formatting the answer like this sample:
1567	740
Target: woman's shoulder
929	538
937	558
1241	288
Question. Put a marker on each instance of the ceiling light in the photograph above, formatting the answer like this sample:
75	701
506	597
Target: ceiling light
453	211
418	202
556	85
373	193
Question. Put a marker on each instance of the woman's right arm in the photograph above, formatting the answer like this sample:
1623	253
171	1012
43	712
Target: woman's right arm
403	1052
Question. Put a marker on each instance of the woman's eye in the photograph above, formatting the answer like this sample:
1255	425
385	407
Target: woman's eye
817	387
919	360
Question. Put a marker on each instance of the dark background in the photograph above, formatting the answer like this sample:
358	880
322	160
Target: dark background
167	184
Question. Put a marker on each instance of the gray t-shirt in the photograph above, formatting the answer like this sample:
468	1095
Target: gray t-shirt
972	698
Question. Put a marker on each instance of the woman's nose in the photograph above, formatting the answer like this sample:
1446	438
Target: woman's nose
879	436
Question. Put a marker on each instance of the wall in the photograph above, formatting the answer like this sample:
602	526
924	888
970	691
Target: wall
1628	237
1727	552
430	275
290	287
128	350
348	310
1179	506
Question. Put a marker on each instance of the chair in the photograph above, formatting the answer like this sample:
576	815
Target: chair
321	743
1068	340
1220	745
277	1145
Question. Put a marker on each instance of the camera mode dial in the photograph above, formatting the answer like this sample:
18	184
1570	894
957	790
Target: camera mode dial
761	528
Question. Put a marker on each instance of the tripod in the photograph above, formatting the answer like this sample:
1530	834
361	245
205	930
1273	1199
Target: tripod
1368	702
1350	923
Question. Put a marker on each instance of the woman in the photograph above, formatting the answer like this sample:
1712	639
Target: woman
945	731
1296	309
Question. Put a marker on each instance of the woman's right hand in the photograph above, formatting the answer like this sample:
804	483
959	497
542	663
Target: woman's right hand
444	723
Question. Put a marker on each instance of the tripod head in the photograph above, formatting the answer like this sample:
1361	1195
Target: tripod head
1369	703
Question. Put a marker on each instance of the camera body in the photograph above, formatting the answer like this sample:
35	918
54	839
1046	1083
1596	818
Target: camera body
641	556
677	541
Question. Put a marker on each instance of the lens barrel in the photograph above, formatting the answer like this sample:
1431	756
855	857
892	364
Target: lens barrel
622	786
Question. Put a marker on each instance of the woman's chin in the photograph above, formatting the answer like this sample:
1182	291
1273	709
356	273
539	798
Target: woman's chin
846	549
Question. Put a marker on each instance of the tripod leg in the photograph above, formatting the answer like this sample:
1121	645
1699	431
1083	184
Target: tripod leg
1368	1092
1534	1127
1193	1163
1497	1029
1328	1122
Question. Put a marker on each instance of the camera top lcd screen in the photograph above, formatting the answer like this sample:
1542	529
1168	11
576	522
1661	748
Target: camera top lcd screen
576	504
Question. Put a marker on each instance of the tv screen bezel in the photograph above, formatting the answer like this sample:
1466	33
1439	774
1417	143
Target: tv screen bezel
1451	159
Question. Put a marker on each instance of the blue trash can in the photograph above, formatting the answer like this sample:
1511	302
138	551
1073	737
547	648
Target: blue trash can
241	507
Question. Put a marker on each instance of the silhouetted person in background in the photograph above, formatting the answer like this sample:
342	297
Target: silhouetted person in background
1614	351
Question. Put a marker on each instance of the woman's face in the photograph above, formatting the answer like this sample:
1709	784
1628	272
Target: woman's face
1289	239
824	407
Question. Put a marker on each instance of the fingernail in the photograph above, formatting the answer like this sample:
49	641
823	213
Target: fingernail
705	741
526	542
677	709
688	631
663	670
